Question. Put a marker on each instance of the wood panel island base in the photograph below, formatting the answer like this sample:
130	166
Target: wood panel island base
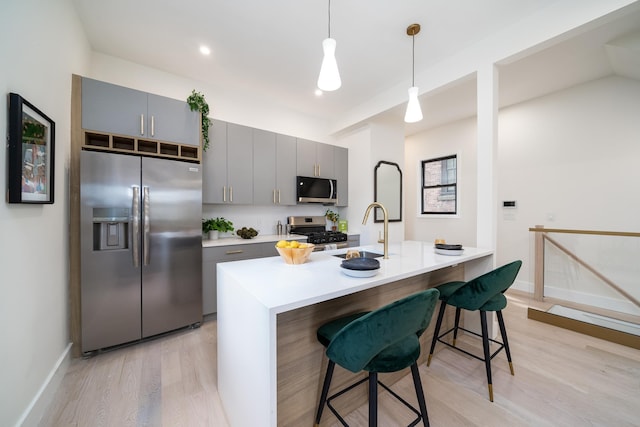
270	364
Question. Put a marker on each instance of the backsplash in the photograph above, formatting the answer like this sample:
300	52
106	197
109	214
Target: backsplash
262	218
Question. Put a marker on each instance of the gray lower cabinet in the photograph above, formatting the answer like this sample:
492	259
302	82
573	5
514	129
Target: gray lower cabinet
211	256
353	240
274	168
120	110
228	164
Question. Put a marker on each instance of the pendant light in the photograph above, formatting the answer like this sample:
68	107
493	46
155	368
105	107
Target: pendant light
414	113
329	78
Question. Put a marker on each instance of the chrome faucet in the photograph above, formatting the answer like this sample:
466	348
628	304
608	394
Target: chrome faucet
386	225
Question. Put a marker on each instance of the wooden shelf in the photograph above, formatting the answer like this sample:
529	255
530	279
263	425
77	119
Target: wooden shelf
146	147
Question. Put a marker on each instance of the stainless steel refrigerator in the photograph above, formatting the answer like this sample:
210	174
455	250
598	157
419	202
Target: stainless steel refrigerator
141	247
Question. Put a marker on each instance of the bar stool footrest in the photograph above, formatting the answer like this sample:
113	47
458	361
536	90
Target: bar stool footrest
363	380
466	352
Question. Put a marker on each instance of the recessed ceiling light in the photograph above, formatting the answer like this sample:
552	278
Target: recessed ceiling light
205	50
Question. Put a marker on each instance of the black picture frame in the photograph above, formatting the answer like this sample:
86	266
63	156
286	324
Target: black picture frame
30	153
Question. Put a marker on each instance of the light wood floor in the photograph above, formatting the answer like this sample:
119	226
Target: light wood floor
562	378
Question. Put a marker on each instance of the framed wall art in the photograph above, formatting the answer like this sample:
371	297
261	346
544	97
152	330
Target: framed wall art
31	153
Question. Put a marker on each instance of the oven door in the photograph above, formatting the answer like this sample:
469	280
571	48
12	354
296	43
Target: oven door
326	246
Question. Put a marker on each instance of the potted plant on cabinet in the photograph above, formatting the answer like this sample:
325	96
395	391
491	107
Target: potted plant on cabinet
214	226
333	217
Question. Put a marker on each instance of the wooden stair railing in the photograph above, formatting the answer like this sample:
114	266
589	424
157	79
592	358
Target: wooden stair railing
542	235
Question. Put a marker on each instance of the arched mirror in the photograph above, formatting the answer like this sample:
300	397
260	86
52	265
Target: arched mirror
388	190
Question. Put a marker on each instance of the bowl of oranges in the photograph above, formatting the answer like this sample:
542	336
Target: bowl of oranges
294	252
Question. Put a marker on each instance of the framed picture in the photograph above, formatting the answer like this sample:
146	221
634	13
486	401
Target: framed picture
31	153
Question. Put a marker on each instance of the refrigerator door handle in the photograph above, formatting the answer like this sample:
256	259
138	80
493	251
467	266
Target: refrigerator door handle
146	226
135	238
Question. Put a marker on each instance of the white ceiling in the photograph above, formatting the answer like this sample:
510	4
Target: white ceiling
273	48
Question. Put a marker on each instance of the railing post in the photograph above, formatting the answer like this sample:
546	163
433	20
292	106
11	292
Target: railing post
538	278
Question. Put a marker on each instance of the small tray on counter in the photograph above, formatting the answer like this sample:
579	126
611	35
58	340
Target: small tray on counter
447	249
360	267
361	264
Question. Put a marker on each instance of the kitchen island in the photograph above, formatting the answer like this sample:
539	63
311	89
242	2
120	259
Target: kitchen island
270	365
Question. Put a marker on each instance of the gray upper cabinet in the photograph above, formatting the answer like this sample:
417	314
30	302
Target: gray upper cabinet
286	169
214	164
239	164
264	167
274	168
228	164
341	164
315	159
119	110
173	120
248	166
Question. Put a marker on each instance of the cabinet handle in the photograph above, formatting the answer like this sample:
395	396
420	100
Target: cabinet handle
224	193
274	196
278	196
153	127
141	124
230	194
146	226
237	251
318	169
135	238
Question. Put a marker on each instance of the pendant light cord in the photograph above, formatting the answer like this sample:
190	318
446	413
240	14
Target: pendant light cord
329	20
413	60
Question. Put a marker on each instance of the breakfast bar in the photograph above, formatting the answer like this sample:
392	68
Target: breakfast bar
270	364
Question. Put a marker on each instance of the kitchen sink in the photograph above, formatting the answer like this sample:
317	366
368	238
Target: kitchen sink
363	254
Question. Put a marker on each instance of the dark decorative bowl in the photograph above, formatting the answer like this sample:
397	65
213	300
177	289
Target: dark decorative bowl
361	264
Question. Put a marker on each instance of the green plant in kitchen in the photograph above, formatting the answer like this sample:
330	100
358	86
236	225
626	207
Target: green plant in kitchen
197	102
216	224
333	217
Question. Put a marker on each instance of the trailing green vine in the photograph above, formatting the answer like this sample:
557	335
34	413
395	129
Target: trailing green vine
197	102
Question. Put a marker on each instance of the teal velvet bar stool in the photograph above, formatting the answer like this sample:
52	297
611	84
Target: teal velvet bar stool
484	293
384	340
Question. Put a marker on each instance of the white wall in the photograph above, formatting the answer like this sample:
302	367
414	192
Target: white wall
569	159
367	146
456	138
41	45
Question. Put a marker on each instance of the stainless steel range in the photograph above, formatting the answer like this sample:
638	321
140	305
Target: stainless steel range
314	227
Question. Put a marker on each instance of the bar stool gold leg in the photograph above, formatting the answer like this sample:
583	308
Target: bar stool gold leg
491	392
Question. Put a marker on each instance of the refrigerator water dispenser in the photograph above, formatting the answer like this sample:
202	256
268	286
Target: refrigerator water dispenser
110	226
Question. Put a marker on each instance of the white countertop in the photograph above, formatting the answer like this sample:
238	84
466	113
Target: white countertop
281	287
225	241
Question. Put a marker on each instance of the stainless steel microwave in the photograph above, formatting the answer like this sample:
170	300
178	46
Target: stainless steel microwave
316	190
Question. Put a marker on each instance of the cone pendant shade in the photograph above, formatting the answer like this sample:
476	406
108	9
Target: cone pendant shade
414	112
329	78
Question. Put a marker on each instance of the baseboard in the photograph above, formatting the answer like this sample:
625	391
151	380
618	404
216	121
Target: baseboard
41	401
523	286
596	331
